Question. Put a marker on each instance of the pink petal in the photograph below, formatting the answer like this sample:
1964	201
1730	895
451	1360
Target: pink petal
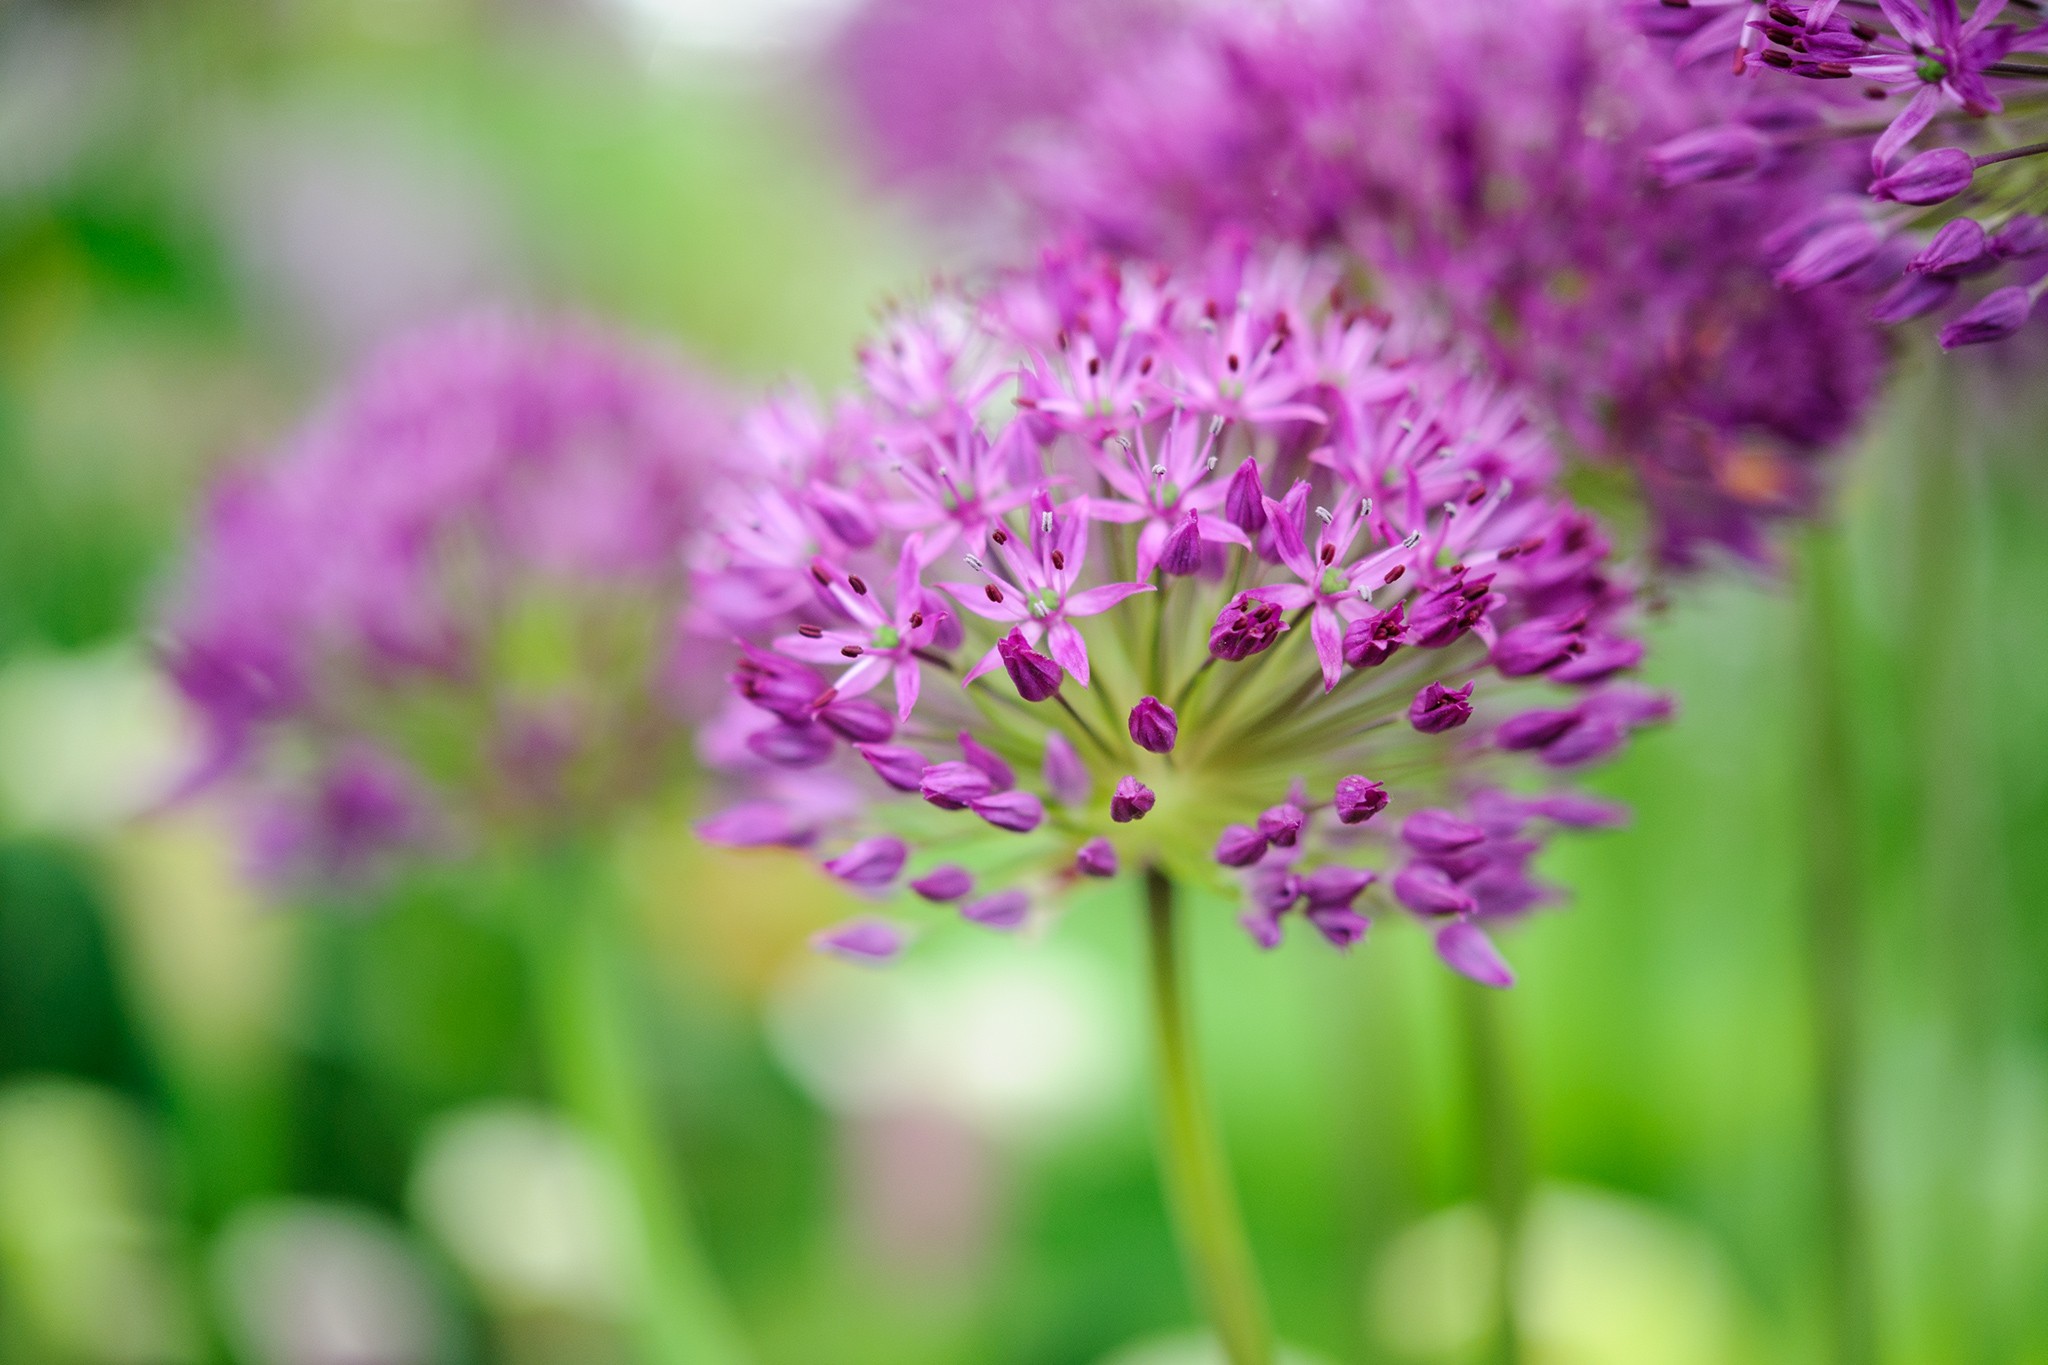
974	597
1919	111
1094	601
1151	541
909	679
1069	650
1328	632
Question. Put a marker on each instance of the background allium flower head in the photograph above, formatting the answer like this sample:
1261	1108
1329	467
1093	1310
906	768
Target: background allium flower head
1083	492
1943	99
944	90
447	601
1547	188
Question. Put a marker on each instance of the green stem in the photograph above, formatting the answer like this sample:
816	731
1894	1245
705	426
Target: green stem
1498	1145
582	972
1833	905
1205	1214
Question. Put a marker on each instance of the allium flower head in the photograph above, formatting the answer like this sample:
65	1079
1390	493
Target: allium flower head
1941	76
1124	527
1542	183
446	602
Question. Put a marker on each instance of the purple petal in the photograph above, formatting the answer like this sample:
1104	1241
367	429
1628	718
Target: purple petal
867	941
1467	950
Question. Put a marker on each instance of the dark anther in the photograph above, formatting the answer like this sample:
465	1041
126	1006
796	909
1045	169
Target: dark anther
1394	574
999	536
1059	560
809	632
853	581
1329	552
1773	57
916	619
850	651
995	594
1231	361
1094	365
1478	492
824	579
1145	365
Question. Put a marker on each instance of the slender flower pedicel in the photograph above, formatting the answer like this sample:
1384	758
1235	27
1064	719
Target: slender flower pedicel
1225	572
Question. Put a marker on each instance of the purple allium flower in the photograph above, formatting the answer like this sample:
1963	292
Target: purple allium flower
1153	726
1394	491
1096	858
1604	224
2001	313
1133	801
488	521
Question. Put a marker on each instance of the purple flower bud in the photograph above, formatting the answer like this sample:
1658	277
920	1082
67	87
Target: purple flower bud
755	824
952	785
1962	246
871	863
1535	729
1428	890
1437	708
1018	812
1282	824
867	941
1153	726
1340	925
896	764
1602	658
2023	236
1096	858
1244	501
1182	553
1336	887
1535	646
1439	831
1722	153
1248	625
1997	316
1910	297
1594	737
947	883
1003	910
773	683
789	744
1466	950
1066	777
1359	799
845	515
1000	776
1579	812
1927	178
1240	846
1035	676
859	720
1371	640
1263	925
1830	254
1443	614
1132	801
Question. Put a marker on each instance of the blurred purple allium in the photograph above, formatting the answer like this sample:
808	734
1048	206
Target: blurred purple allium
1057	482
1936	75
941	91
446	602
1602	227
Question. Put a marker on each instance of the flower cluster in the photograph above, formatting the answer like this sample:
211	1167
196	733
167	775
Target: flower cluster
450	596
1503	178
1939	224
1112	568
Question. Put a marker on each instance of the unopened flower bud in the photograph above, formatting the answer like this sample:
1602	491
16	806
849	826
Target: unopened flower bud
1282	824
1439	831
1721	153
1096	858
1962	246
1997	316
1153	726
859	720
1066	777
1830	254
1003	910
1912	296
1248	625
867	941
1359	799
1465	949
1000	776
896	764
1928	178
1018	812
1132	801
871	863
1182	552
2022	236
951	785
789	744
1437	708
1240	846
948	883
1371	640
1428	890
1035	676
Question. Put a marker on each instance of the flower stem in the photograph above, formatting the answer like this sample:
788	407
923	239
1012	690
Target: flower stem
1833	905
581	975
1204	1207
1498	1147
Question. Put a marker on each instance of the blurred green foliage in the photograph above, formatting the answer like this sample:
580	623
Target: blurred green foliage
174	1055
